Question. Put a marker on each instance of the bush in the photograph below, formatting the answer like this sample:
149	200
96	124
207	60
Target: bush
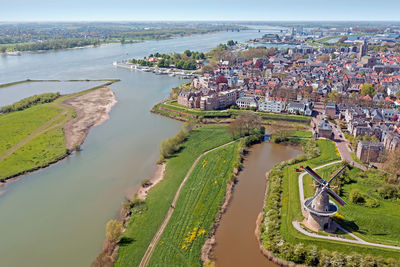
388	191
372	203
30	101
114	230
356	197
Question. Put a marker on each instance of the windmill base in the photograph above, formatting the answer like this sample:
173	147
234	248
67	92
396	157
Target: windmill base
317	223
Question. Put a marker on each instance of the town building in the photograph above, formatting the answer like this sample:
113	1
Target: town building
370	151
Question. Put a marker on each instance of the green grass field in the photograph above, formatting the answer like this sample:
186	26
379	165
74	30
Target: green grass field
175	106
377	225
34	137
16	126
291	211
196	209
147	217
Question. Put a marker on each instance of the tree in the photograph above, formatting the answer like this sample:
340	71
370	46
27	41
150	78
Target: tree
221	79
392	165
230	43
367	89
397	94
324	58
114	230
311	256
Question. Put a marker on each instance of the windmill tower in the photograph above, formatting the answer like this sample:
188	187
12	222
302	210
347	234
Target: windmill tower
319	208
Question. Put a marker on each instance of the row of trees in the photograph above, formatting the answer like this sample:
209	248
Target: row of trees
171	145
30	101
51	44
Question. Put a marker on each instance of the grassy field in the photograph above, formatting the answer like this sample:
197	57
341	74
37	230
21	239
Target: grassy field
173	105
16	126
291	211
147	217
34	137
196	209
377	225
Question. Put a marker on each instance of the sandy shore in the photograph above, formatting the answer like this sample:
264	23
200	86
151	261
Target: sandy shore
91	110
155	179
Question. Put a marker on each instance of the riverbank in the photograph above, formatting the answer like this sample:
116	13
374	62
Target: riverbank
150	214
240	248
46	133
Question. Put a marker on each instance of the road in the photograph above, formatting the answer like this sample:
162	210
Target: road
150	249
341	143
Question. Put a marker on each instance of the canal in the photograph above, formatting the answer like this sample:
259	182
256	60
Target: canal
236	243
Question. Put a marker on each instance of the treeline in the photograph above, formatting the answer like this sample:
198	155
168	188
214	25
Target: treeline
30	101
298	253
185	61
171	145
50	44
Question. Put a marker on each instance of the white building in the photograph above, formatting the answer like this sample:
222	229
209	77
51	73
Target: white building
272	106
246	102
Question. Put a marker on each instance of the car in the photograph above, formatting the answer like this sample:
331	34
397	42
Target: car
372	166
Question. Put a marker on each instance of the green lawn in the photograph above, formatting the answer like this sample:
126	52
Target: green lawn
196	209
39	152
291	211
147	218
16	126
228	112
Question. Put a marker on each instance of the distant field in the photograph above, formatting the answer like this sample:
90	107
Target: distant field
196	209
147	217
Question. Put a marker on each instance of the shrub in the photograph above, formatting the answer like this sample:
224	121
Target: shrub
371	203
114	230
388	191
356	197
30	101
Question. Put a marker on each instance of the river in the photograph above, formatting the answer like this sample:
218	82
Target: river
237	245
57	216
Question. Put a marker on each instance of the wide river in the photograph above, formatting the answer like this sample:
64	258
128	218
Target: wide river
57	216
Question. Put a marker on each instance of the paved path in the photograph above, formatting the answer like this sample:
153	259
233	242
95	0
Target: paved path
303	231
150	249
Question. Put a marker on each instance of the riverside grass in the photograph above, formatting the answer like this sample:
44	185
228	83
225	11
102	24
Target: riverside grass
377	225
147	217
291	210
195	212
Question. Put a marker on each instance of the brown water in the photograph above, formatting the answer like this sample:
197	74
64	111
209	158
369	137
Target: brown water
236	241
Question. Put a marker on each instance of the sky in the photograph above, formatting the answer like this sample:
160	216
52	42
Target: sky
160	10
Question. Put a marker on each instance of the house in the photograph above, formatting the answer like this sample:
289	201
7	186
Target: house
369	151
325	129
271	106
296	108
330	109
388	113
246	102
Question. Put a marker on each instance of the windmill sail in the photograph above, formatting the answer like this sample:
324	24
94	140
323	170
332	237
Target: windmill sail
314	175
336	197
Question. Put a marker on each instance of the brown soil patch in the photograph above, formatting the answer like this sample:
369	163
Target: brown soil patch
91	110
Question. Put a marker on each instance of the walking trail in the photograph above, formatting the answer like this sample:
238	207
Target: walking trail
150	249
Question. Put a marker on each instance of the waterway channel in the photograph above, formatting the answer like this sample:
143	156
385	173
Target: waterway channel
57	216
236	242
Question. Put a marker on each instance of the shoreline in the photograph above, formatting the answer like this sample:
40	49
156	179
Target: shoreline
80	141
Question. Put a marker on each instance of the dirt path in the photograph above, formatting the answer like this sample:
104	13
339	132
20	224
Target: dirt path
150	249
49	125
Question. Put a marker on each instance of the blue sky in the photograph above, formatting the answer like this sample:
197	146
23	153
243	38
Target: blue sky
69	10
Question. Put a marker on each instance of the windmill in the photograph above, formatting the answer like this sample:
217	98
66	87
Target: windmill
318	208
